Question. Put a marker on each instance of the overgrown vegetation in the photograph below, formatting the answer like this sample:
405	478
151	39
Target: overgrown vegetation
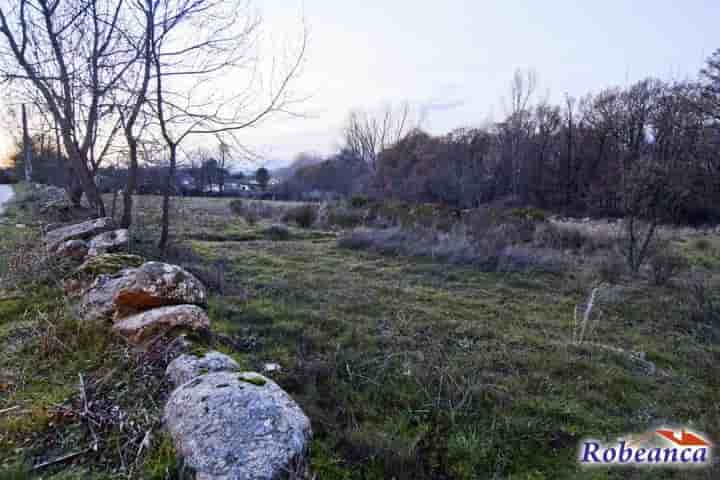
413	362
75	401
410	366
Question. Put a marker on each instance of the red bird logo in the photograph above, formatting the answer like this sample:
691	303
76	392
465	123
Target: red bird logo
683	438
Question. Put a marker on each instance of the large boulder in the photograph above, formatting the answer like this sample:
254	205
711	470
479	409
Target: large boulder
98	300
156	284
187	367
93	267
136	290
230	425
147	325
109	242
78	231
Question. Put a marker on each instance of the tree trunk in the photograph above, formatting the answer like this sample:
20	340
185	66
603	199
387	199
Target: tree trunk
165	234
81	180
27	146
131	184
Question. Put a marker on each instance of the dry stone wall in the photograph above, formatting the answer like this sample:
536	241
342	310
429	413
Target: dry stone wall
226	424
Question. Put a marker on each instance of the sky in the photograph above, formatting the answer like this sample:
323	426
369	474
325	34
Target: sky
455	58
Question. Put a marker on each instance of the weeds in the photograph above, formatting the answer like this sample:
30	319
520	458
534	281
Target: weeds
425	363
609	267
582	324
252	211
490	253
703	303
303	215
666	264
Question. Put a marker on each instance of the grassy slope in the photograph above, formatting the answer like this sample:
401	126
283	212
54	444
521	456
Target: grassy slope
410	368
44	351
376	348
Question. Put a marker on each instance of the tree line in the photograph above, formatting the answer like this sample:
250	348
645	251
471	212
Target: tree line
582	157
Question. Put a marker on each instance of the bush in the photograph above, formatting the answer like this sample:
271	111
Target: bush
251	217
563	236
610	267
522	259
702	244
665	264
344	217
359	201
703	303
304	216
492	253
253	211
237	206
277	232
358	239
560	237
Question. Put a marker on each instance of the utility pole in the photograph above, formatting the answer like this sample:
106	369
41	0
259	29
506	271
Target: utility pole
27	146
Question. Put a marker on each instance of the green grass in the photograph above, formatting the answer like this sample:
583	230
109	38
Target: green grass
412	369
703	252
44	351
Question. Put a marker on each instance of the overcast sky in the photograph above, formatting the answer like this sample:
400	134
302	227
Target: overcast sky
456	57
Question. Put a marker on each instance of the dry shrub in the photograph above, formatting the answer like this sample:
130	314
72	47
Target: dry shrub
277	232
344	217
703	302
580	237
524	259
303	215
485	222
561	237
254	210
29	263
359	201
237	206
702	244
491	253
358	239
666	264
609	267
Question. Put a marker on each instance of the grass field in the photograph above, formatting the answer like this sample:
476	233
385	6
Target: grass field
408	368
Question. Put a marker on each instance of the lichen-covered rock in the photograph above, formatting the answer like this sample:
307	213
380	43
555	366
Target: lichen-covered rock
230	425
72	249
136	290
147	325
109	242
108	264
186	367
98	300
156	284
78	231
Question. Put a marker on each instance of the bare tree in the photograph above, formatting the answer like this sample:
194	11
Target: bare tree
650	196
223	155
367	134
516	129
131	105
187	59
27	148
72	53
710	79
